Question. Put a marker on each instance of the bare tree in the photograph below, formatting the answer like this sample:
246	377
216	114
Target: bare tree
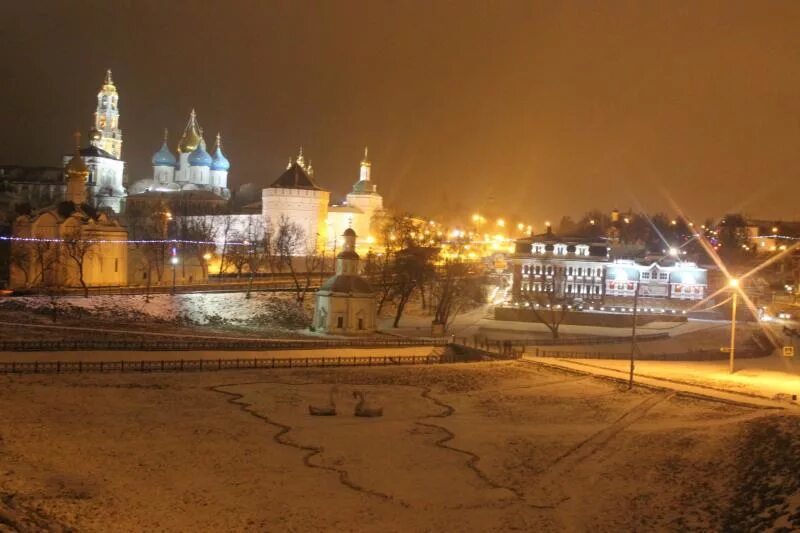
455	287
150	223
379	269
46	259
395	233
548	298
46	256
20	259
411	268
238	256
201	230
78	250
225	225
291	242
259	248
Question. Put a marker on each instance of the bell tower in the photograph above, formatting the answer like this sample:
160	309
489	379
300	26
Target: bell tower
106	119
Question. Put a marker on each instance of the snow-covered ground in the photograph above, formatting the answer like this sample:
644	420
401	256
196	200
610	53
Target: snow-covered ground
263	310
773	377
477	447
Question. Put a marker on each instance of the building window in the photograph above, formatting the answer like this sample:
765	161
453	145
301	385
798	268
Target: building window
569	271
663	276
116	264
569	288
580	271
360	323
340	322
645	275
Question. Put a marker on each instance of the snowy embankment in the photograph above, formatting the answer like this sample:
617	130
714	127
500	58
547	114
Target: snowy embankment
262	310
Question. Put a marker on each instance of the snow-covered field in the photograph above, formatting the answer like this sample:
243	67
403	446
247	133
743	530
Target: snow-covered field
262	310
478	447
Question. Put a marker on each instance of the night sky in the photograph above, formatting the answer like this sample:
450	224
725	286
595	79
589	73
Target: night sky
534	108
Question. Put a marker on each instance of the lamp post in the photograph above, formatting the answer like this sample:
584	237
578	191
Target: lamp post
734	284
174	261
633	332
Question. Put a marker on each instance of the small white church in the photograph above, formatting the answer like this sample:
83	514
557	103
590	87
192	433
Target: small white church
345	303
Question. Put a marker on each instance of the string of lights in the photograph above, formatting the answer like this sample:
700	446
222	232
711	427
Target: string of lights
127	241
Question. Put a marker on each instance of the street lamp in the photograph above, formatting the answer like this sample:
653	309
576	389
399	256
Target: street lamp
734	285
174	261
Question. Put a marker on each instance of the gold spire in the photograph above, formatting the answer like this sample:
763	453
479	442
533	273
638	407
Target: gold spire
365	161
219	141
300	159
108	83
192	135
166	135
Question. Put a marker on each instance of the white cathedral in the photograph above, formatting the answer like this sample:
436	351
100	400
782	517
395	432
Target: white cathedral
194	168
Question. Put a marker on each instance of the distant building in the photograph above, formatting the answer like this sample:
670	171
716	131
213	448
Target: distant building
296	197
345	303
41	186
36	186
769	236
577	265
584	272
193	169
178	203
362	203
52	246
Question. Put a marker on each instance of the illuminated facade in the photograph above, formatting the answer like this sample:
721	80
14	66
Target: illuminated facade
345	303
106	133
194	168
583	271
362	203
295	197
53	263
676	281
105	183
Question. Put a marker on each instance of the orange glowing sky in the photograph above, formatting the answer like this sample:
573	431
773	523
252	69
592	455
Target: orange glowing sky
530	108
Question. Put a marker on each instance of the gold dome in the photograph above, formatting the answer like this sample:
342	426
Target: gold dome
95	135
191	135
76	165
